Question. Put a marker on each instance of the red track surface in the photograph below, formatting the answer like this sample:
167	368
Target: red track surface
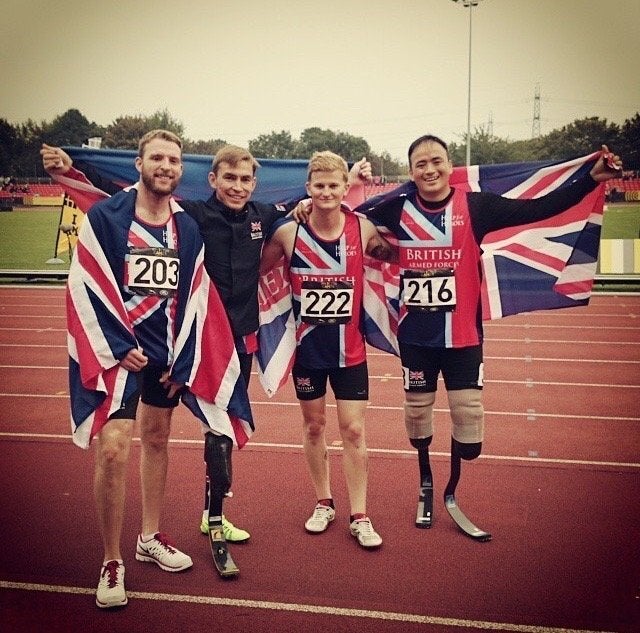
558	486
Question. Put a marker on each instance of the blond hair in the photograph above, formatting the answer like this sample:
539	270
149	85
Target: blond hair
327	161
232	155
165	135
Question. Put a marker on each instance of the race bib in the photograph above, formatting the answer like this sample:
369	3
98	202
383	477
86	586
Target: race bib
153	271
428	290
326	302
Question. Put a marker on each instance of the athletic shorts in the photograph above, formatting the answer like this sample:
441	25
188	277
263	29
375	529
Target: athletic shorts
150	390
461	368
348	383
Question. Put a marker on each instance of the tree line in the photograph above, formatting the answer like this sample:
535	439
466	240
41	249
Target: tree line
20	144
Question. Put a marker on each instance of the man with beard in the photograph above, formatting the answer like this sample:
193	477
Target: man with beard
128	333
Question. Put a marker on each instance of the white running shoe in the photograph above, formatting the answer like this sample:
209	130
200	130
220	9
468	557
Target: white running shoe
363	530
111	591
161	551
320	519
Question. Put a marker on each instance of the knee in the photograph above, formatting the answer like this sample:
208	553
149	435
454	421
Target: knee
314	427
418	414
352	432
467	415
114	442
155	427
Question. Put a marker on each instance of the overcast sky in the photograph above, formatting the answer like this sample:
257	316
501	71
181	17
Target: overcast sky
387	71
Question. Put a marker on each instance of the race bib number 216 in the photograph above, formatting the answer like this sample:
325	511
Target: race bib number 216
429	291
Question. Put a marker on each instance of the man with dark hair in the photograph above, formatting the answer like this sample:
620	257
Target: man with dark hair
439	230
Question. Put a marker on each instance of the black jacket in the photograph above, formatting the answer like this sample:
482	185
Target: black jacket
232	247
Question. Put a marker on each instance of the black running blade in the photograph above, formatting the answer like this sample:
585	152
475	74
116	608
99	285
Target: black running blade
225	565
463	522
424	515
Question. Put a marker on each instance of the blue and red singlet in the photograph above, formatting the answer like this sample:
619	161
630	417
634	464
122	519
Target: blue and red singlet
440	276
327	282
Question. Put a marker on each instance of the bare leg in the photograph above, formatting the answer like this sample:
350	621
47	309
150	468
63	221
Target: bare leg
112	456
155	426
314	422
351	415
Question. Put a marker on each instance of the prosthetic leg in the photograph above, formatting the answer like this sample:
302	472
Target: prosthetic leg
419	422
217	455
424	514
467	417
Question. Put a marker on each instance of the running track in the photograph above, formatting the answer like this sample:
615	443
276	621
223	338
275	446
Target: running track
558	486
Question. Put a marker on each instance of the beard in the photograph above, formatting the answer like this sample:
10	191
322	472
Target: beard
157	187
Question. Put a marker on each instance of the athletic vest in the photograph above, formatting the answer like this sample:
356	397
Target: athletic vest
440	275
151	271
326	283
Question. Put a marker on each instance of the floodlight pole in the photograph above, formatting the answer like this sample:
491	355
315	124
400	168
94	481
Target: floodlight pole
469	4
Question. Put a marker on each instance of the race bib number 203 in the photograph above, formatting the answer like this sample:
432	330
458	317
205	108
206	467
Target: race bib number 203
153	271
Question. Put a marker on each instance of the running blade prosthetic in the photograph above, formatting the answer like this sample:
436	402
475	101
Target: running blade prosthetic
225	565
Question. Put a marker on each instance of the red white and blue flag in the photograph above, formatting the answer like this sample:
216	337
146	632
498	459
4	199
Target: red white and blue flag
101	330
544	265
540	266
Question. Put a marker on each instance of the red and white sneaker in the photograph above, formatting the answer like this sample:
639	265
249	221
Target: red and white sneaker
111	592
161	551
320	519
363	530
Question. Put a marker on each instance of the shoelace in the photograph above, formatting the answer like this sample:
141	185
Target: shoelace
111	572
321	512
163	539
364	527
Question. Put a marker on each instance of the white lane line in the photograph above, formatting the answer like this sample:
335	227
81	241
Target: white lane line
305	608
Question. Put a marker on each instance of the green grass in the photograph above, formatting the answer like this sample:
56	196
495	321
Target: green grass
621	221
28	239
28	236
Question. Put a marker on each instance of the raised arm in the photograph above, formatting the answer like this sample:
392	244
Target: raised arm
609	166
55	160
359	174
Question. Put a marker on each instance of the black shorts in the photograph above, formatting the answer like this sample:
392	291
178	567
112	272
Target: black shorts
348	383
150	390
461	368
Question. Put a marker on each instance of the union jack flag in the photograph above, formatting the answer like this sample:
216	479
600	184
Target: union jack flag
101	330
539	266
303	382
545	265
